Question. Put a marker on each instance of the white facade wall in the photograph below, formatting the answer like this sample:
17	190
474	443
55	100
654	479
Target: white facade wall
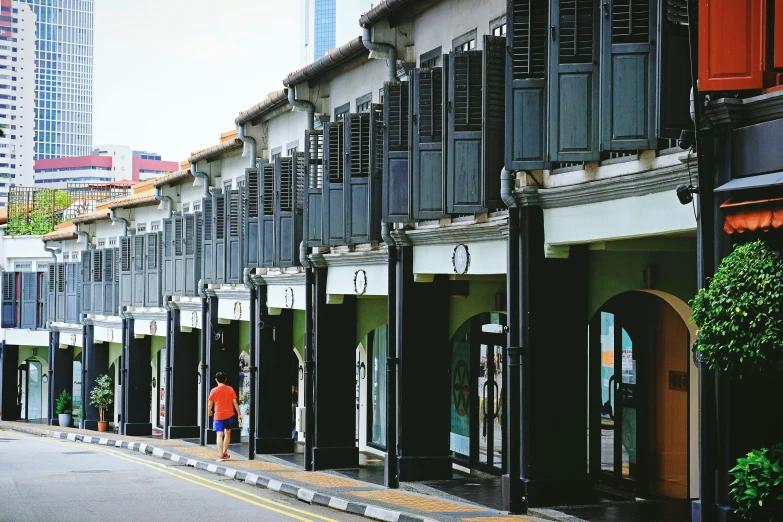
283	131
17	251
231	169
350	85
122	160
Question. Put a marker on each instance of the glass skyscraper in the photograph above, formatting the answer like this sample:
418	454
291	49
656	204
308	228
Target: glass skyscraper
64	77
325	26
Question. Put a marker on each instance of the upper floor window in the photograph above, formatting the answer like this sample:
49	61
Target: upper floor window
25	266
431	58
196	207
276	153
154	227
466	42
292	148
141	228
363	103
497	27
185	208
341	111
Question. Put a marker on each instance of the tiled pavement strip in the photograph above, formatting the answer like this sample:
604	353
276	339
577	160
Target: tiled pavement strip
327	489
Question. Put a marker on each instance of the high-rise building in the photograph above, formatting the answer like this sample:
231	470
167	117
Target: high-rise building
17	95
64	77
325	24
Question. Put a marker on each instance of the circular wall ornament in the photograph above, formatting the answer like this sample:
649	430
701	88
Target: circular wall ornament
289	297
360	282
194	319
109	334
73	339
460	259
237	310
153	327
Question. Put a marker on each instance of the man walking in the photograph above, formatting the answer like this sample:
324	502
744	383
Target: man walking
224	400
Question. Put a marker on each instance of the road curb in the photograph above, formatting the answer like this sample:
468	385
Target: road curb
305	495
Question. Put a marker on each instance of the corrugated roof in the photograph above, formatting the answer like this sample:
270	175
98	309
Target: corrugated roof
216	151
271	102
174	178
66	233
92	217
332	59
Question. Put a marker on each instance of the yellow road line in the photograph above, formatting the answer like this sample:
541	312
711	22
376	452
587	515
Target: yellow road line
205	483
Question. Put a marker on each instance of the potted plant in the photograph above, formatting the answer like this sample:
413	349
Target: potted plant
63	409
101	396
758	485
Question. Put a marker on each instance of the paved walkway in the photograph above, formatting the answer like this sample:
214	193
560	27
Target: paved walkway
323	488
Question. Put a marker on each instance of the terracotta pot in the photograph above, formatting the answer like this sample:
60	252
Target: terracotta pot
102	425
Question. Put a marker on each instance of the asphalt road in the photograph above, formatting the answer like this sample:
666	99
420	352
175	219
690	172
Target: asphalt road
45	480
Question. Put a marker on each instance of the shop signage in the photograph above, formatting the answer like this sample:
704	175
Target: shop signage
678	381
460	259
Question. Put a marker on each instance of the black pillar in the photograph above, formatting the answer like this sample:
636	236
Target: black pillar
96	362
335	381
223	356
137	384
62	373
9	362
423	393
183	384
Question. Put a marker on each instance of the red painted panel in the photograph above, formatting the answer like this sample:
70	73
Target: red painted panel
778	34
163	167
76	162
731	42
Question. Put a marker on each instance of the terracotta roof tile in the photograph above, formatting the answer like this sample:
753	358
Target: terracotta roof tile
143	199
92	217
216	151
272	101
61	234
174	178
330	60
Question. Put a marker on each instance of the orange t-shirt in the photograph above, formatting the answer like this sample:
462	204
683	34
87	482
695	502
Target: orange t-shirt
223	398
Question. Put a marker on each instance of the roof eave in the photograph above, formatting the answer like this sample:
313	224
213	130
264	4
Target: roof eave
334	58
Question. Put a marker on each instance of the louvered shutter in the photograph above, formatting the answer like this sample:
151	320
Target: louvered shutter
396	115
29	299
574	81
266	238
109	307
313	205
60	292
334	183
234	240
251	199
208	231
357	178
528	39
192	260
51	294
139	282
674	71
285	186
628	103
168	256
98	293
427	116
178	255
116	282
376	171
126	271
494	114
86	290
219	206
153	296
43	296
8	304
71	293
77	273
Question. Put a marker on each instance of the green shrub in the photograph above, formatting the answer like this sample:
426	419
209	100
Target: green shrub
64	404
740	313
758	485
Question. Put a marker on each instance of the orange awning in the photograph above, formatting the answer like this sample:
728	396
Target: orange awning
750	216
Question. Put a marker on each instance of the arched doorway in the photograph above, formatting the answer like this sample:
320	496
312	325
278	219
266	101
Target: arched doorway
640	374
477	429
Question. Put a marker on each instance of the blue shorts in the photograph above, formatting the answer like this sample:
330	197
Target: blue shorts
225	424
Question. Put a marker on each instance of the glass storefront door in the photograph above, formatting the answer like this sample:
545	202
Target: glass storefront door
490	386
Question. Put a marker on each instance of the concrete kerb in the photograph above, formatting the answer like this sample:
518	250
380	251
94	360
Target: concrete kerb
292	490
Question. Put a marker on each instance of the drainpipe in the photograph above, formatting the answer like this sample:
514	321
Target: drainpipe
167	400
514	497
251	142
385	48
302	105
115	219
391	476
203	367
160	197
203	175
251	428
86	236
309	356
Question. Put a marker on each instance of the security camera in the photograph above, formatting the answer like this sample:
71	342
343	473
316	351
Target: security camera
685	193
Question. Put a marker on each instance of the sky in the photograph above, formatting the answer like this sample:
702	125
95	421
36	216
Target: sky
171	75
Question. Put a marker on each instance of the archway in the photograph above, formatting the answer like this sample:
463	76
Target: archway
640	394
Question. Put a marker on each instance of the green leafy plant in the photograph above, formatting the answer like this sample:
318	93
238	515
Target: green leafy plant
740	313
77	413
757	489
64	403
102	394
36	212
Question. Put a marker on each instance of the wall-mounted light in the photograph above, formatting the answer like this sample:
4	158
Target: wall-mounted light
363	371
685	193
301	373
45	379
154	382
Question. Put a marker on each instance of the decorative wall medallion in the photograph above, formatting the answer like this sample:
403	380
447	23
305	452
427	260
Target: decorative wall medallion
153	327
237	310
360	282
73	339
460	259
109	334
289	297
194	319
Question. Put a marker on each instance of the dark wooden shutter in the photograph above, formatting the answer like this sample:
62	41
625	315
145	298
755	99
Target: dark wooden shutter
285	251
494	113
116	284
71	292
251	218
357	178
674	73
86	289
334	184
153	296
60	292
266	238
191	282
8	303
192	268
427	132
180	274
376	171
628	103
313	204
29	299
396	146
51	292
234	244
43	296
219	206
574	81
139	281
168	256
126	272
109	307
528	40
208	235
97	281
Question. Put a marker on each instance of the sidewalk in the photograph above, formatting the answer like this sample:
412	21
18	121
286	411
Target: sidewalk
323	488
